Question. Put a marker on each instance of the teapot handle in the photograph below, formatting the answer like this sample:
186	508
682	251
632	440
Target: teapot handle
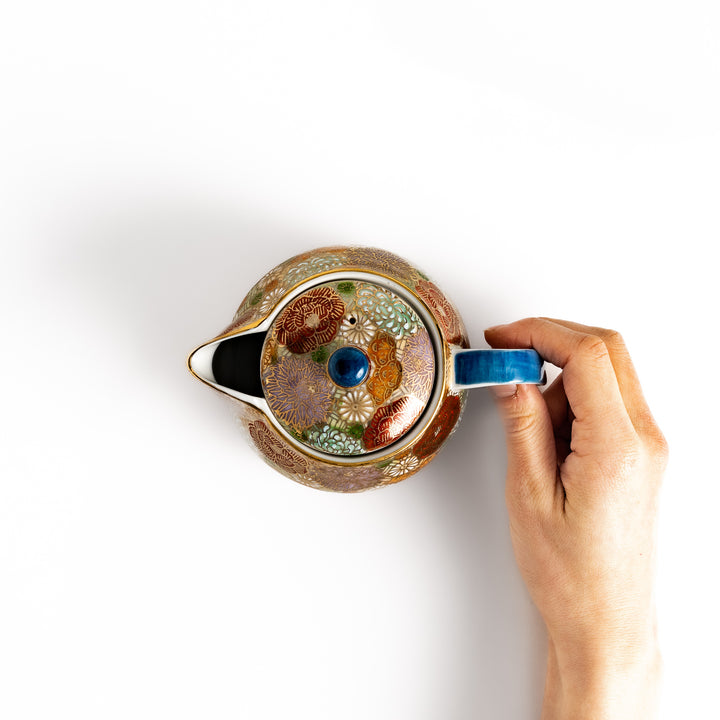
482	368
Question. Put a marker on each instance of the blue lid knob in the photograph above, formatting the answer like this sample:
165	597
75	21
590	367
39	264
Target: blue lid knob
348	366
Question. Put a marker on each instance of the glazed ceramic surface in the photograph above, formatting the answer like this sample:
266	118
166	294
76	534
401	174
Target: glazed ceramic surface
348	368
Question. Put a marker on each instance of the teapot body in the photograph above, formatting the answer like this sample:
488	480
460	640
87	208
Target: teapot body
354	354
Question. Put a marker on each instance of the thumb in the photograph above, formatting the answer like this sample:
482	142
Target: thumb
532	456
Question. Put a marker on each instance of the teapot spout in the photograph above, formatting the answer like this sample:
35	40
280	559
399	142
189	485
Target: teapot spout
231	365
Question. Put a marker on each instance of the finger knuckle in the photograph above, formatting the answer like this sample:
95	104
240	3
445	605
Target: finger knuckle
593	347
520	421
613	338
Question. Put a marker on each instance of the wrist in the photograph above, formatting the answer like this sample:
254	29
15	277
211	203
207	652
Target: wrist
594	685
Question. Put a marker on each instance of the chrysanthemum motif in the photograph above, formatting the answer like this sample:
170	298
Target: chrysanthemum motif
298	391
444	312
313	266
355	406
401	466
377	259
334	441
387	310
269	299
310	320
357	328
418	365
275	450
347	479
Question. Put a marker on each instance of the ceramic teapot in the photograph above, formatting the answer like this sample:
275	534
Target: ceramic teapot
351	368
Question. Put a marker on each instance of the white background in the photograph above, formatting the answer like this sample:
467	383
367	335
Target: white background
156	158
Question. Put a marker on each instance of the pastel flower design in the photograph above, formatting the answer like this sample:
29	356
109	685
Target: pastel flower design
347	479
357	328
313	266
401	466
298	391
275	450
382	260
311	320
418	364
332	440
356	406
387	310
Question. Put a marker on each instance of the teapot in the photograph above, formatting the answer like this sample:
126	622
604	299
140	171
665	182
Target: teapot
350	368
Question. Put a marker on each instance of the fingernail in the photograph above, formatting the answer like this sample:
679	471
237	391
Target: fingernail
504	391
494	328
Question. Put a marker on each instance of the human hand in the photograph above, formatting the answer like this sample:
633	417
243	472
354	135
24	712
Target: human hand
585	462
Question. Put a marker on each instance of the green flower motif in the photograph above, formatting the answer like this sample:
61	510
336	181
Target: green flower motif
387	310
330	440
346	288
320	355
356	430
256	298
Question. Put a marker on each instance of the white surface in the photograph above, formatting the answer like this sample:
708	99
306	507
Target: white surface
156	159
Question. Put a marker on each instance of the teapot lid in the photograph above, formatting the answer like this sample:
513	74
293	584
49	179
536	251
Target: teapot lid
348	367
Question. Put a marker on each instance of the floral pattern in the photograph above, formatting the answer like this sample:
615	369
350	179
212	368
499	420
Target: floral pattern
387	310
298	391
418	362
269	299
275	449
402	466
357	328
391	422
310	320
388	371
312	266
442	426
355	406
347	479
334	441
381	260
385	380
442	309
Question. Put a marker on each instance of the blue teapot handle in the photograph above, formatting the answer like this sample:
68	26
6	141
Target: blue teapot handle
481	368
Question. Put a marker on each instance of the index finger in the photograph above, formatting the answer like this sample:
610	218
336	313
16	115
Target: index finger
589	378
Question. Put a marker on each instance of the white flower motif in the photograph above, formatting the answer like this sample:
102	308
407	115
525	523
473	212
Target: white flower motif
357	328
269	299
355	406
402	466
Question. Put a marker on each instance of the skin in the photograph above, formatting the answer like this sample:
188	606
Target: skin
585	464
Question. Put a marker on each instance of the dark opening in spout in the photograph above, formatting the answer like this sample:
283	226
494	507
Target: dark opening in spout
236	363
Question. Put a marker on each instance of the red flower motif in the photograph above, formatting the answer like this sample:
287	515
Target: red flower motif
275	450
443	311
390	422
439	431
310	320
